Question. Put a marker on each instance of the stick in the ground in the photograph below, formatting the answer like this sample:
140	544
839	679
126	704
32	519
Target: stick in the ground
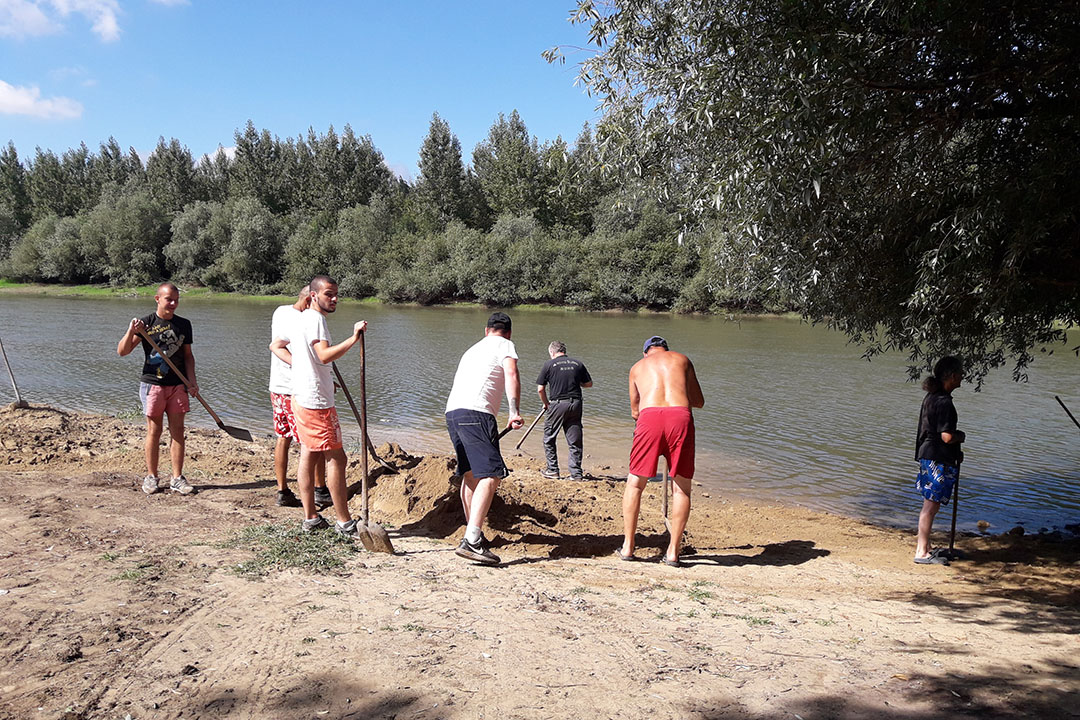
518	446
19	402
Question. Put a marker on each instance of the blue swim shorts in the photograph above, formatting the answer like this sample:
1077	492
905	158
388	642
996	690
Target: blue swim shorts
935	481
475	436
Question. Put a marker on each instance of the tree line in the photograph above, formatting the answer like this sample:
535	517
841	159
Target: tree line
524	222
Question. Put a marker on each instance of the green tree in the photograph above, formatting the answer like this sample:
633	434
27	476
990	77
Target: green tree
441	186
896	167
507	166
114	166
212	177
170	173
200	233
252	260
124	234
47	186
13	187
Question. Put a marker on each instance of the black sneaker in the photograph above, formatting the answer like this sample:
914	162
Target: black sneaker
322	498
477	552
285	498
550	474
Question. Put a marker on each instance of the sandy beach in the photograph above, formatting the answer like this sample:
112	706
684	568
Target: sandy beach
116	604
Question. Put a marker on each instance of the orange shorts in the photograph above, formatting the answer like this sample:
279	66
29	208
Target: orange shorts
317	430
667	431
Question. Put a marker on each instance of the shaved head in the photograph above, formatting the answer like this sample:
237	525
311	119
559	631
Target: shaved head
166	287
305	292
319	282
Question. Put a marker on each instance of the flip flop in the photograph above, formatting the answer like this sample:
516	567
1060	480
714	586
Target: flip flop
673	563
932	560
626	558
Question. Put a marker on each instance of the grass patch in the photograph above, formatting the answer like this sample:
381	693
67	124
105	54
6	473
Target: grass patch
131	414
283	545
581	590
825	623
109	556
700	595
755	621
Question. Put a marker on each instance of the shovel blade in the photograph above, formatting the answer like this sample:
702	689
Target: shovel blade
238	433
365	537
380	541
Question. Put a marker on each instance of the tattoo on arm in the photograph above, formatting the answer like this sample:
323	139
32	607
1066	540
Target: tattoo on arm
514	406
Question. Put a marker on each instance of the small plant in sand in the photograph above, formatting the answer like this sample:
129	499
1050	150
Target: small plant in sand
754	621
283	545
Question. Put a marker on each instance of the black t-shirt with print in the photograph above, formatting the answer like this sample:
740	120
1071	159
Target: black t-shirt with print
563	376
171	336
938	415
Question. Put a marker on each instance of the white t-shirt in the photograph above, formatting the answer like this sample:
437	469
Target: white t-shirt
280	372
312	380
480	379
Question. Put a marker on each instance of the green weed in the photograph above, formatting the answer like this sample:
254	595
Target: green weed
283	545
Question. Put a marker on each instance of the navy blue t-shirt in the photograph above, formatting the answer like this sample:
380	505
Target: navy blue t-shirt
171	336
563	376
937	415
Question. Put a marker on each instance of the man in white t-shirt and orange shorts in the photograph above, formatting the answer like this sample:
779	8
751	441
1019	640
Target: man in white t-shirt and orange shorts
281	404
305	345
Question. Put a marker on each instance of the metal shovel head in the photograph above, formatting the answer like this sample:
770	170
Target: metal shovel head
238	433
365	537
380	541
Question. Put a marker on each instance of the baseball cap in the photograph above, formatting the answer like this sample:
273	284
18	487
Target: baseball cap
497	319
653	342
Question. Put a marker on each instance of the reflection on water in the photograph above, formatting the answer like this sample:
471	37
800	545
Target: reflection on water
792	412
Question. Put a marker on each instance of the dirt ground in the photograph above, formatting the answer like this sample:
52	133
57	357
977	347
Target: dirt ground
115	604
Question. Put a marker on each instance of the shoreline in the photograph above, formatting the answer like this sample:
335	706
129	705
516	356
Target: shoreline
121	604
105	291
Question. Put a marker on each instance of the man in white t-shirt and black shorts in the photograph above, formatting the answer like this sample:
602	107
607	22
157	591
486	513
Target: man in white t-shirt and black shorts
281	403
305	345
485	371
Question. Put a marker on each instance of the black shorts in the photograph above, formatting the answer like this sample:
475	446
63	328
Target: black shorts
475	437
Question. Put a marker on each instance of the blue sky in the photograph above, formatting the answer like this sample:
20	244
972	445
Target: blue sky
76	71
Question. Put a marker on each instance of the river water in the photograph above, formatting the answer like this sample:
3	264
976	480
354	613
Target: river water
792	413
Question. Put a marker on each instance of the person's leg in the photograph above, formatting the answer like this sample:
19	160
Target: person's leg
574	439
926	522
480	499
552	424
281	462
176	442
631	505
468	486
154	426
335	483
320	472
678	514
305	478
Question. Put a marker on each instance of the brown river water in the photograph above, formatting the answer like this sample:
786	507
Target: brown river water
792	413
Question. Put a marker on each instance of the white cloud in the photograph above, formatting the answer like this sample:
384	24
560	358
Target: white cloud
28	101
170	3
31	18
23	18
402	171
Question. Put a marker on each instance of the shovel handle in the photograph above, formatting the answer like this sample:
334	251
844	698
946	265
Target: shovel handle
1067	411
181	375
518	446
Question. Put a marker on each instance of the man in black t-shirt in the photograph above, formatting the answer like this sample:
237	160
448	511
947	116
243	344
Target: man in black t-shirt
161	389
564	377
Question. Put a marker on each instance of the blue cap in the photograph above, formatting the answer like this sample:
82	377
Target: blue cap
653	342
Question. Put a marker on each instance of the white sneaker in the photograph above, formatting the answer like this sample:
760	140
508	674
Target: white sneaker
181	485
150	484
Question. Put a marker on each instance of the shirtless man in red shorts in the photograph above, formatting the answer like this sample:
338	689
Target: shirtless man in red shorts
663	389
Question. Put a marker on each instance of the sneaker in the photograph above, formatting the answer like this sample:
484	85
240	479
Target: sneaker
181	485
285	498
577	478
348	529
316	523
150	484
322	498
550	474
478	552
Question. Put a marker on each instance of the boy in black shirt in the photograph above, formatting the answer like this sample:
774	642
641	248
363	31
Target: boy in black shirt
937	448
565	377
161	390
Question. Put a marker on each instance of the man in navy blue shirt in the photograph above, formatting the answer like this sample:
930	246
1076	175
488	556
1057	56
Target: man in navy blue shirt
564	377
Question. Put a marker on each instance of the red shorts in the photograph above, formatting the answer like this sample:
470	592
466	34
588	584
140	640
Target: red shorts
317	430
284	420
667	431
168	399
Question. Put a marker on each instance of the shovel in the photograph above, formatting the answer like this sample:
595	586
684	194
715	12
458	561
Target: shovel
19	402
518	446
367	441
667	523
238	433
372	535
